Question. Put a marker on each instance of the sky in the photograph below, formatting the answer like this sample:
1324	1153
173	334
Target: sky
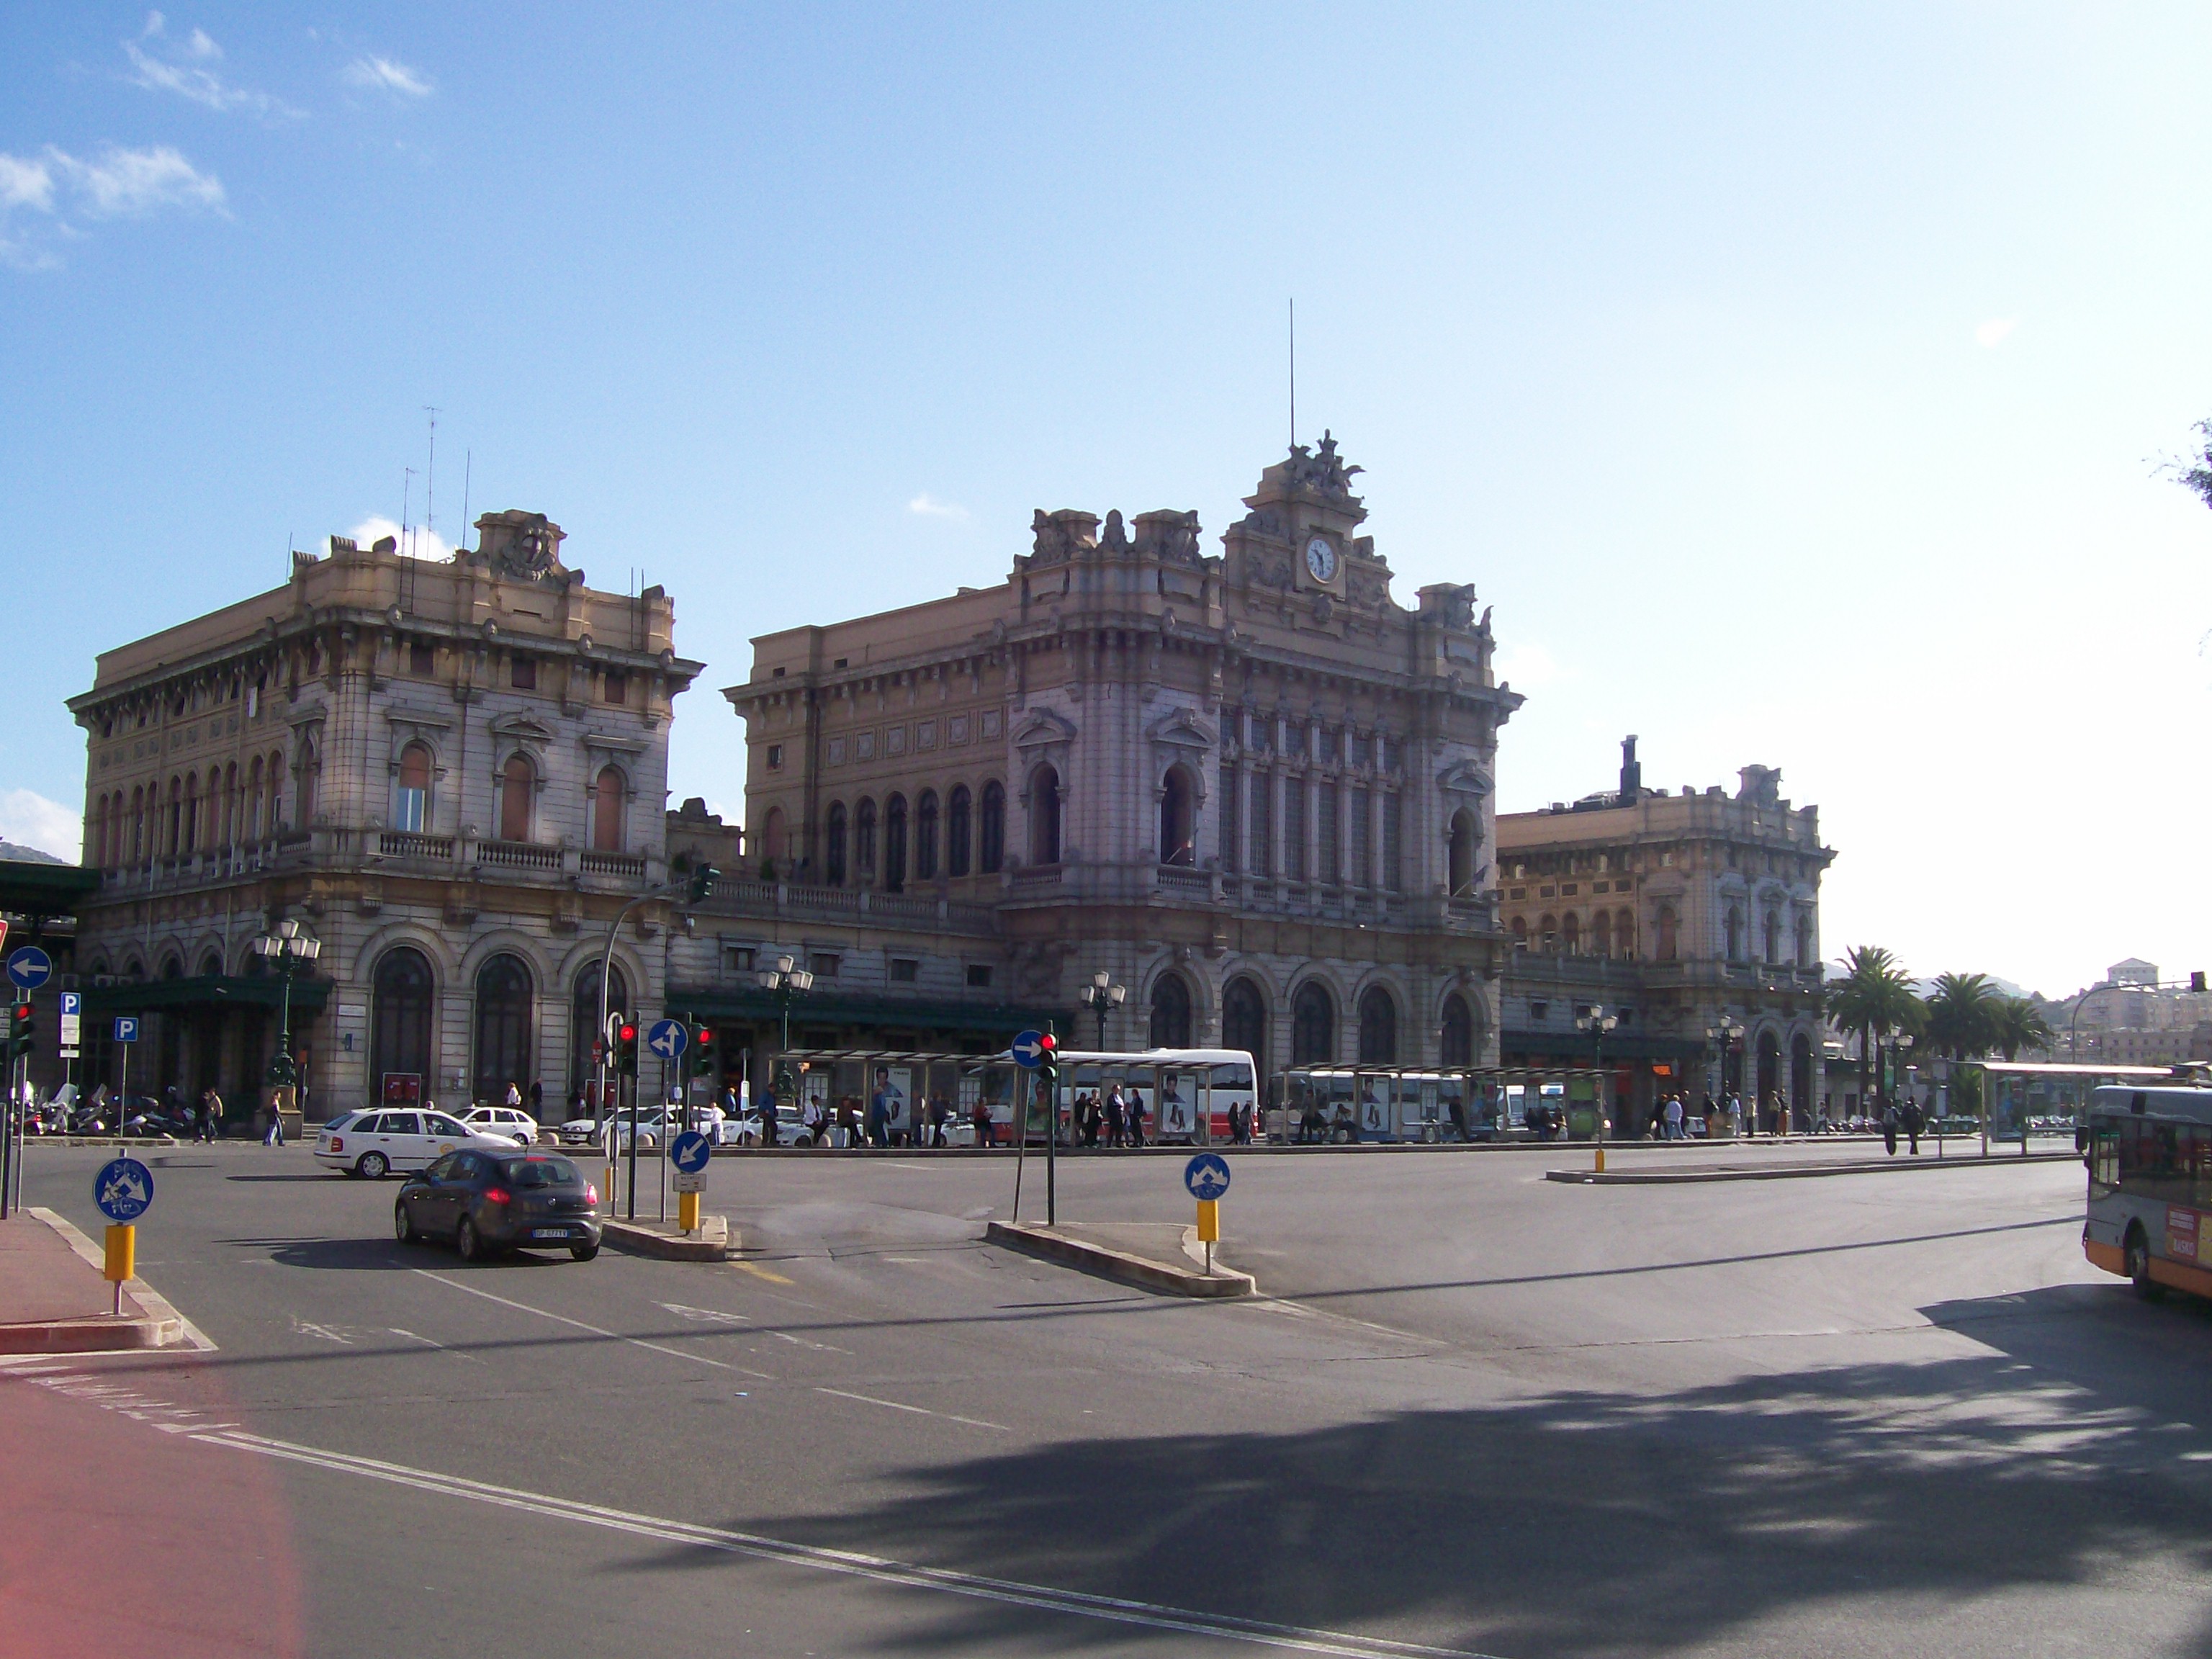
1793	381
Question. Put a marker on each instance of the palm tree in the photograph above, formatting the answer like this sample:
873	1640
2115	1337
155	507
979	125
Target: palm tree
2018	1024
1874	998
1962	1015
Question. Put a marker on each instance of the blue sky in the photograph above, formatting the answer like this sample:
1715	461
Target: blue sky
1791	380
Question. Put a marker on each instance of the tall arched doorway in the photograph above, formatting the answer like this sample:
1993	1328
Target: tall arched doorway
503	1048
1456	1046
1178	821
1170	1012
584	1023
1804	1098
1313	1025
1244	1021
1044	816
401	998
1378	1028
1464	840
1769	1074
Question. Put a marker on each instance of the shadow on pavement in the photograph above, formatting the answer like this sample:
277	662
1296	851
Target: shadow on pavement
1898	1494
2123	1353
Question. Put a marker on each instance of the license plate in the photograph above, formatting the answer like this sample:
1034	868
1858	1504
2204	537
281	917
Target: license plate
549	1232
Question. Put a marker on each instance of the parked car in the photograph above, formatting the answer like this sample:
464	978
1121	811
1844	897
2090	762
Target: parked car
509	1121
374	1143
654	1128
487	1201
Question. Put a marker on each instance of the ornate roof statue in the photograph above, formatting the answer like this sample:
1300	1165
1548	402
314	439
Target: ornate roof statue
1323	470
519	547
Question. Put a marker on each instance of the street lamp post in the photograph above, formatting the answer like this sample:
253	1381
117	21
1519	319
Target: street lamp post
1101	994
1723	1034
1594	1020
290	950
785	981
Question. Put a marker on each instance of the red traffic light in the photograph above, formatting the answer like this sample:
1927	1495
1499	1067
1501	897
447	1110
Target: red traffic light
1048	1043
627	1032
703	1036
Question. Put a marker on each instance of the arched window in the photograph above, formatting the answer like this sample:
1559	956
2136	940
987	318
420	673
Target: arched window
100	836
400	999
1773	940
924	836
1170	1012
1668	925
1801	946
1571	935
894	844
277	819
1044	816
991	832
517	788
303	784
504	1021
1313	1025
1547	933
137	824
772	838
584	1028
1624	933
1178	819
607	794
957	809
1465	839
410	810
1244	1020
1734	932
173	831
1378	1028
1601	933
1456	1044
230	805
211	966
1520	933
834	852
864	841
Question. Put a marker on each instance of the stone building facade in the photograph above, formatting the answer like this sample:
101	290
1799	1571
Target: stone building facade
1250	787
1678	915
453	774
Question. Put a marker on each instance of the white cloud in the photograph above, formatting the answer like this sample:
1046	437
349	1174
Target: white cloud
386	75
26	184
30	820
420	542
1526	665
161	63
1992	333
927	506
116	183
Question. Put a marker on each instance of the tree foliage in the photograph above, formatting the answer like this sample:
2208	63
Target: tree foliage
2195	471
1875	999
2020	1025
1962	1015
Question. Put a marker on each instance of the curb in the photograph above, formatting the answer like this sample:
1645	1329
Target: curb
713	1242
1111	1263
156	1324
1688	1177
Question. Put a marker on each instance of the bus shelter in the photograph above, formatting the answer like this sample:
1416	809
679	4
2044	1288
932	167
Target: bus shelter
843	1080
1343	1104
2023	1098
1186	1093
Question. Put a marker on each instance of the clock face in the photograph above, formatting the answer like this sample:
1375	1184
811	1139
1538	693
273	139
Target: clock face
1321	559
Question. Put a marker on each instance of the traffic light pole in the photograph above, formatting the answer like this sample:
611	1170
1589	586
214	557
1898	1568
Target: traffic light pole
1050	1075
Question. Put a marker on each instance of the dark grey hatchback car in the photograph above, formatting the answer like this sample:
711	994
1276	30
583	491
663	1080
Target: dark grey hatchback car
487	1202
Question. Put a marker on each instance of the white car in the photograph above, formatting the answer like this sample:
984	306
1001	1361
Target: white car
654	1128
516	1124
373	1144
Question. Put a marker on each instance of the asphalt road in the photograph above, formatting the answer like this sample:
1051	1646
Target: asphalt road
1475	1412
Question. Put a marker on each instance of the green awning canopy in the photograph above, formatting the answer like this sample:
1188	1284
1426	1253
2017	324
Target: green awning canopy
818	1008
206	991
32	889
1581	1047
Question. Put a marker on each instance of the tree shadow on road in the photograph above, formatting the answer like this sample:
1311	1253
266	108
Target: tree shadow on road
1586	1521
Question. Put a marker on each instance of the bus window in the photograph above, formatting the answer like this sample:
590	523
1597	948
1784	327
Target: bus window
2105	1156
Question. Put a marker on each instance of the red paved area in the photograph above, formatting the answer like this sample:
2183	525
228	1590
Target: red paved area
42	1278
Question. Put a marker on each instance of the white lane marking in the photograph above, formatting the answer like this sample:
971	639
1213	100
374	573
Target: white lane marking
309	1327
705	1316
920	1411
412	1337
596	1330
819	1347
1151	1615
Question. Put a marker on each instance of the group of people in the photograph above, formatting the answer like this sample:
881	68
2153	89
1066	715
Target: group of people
1113	1120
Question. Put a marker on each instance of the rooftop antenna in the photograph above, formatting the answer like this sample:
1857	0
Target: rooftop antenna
406	501
430	479
1294	372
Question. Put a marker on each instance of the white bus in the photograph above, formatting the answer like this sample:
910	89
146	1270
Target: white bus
1187	1092
2150	1186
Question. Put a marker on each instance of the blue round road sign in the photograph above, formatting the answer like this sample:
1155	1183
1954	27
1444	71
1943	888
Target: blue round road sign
1206	1176
30	968
689	1151
667	1038
1028	1049
124	1189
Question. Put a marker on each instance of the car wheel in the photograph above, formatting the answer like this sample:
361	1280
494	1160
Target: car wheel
372	1166
583	1252
403	1224
468	1241
2137	1249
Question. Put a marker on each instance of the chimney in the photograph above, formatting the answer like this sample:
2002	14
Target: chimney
1632	775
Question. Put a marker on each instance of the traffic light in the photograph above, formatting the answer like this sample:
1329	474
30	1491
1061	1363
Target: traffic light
703	882
2197	981
21	1030
626	1048
1048	1060
704	1062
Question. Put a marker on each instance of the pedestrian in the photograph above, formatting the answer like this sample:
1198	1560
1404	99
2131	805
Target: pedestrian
513	1098
273	1135
1915	1121
940	1113
537	1099
1132	1115
1674	1117
1113	1109
1889	1127
211	1115
981	1115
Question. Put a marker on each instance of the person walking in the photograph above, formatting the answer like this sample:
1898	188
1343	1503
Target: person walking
1132	1114
210	1115
940	1113
1889	1121
1674	1117
982	1117
1114	1128
1915	1121
273	1135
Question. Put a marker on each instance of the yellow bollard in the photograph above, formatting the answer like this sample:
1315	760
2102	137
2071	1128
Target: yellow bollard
122	1254
687	1212
1209	1227
1600	1161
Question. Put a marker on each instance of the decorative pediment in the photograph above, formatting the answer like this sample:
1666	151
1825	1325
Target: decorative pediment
1464	778
1181	728
603	743
521	730
1043	727
417	722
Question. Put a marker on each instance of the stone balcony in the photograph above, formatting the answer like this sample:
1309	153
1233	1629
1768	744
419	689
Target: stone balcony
342	849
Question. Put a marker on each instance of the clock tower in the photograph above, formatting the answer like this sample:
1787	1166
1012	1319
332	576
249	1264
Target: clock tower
1298	549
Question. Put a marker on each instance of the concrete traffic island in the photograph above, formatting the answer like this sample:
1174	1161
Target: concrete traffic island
1152	1255
1680	1174
713	1242
53	1299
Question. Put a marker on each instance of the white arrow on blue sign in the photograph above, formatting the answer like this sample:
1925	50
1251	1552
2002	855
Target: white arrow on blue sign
689	1151
30	968
126	1028
1206	1176
124	1189
667	1038
1028	1049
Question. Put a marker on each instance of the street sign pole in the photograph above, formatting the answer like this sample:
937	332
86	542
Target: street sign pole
1051	1143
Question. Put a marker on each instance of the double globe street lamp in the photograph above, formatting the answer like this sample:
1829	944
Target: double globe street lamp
1101	994
783	981
290	949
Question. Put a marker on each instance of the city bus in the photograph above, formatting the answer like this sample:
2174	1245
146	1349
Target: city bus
2149	1152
